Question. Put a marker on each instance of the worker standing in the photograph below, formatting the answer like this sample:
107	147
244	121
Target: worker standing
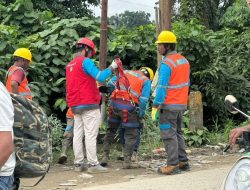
170	102
83	97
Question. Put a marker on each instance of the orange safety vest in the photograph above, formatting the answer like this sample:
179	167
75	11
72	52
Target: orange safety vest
69	113
177	89
23	88
136	80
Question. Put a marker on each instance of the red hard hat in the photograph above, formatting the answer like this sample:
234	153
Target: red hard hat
87	42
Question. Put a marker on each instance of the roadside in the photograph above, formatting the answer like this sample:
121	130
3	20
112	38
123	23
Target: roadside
201	159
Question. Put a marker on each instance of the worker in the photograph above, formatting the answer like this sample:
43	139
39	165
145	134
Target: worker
17	82
127	109
83	97
68	138
170	102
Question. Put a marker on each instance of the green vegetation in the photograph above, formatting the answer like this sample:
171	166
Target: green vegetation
216	43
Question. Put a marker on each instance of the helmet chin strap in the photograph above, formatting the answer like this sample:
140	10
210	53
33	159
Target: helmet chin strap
87	51
166	52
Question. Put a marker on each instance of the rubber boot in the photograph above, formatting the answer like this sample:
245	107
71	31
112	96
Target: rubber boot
63	157
105	159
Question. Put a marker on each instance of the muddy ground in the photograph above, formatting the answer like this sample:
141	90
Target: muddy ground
63	176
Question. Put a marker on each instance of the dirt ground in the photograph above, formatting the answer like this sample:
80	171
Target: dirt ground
63	176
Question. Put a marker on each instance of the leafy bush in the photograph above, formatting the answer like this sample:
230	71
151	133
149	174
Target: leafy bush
150	138
195	138
57	132
237	16
228	72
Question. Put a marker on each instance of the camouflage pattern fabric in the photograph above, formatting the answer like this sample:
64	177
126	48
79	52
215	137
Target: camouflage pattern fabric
33	142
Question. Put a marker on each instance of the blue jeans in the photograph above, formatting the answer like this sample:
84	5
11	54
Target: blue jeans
6	182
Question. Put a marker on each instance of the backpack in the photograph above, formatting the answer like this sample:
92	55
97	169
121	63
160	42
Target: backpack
32	139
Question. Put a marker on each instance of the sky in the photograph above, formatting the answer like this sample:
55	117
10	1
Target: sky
119	6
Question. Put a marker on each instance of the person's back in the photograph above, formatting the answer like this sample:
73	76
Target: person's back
7	156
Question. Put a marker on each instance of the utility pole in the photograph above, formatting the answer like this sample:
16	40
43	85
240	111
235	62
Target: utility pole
103	47
103	36
163	22
157	28
165	14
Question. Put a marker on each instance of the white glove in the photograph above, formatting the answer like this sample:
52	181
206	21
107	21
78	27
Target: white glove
114	65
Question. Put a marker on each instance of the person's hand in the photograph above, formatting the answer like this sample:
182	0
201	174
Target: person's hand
114	65
235	133
154	114
68	132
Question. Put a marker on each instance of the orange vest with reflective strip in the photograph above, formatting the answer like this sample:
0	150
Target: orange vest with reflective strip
23	88
136	80
177	89
69	113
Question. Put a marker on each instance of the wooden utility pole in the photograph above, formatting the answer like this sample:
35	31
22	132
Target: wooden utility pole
103	47
165	14
157	26
163	22
103	36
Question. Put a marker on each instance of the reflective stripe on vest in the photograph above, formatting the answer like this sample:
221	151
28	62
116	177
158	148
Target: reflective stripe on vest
178	85
177	89
23	89
136	80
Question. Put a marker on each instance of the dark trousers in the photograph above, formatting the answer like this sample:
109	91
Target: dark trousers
170	122
130	127
121	132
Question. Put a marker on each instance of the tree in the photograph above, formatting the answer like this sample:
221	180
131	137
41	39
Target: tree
208	12
130	19
63	8
236	16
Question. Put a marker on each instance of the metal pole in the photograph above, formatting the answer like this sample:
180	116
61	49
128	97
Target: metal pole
247	116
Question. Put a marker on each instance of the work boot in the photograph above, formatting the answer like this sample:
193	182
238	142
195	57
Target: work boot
97	169
169	170
184	166
105	159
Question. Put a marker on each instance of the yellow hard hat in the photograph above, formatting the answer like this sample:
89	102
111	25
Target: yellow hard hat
23	53
148	72
166	37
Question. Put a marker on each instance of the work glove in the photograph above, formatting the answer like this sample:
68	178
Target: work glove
114	65
154	114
